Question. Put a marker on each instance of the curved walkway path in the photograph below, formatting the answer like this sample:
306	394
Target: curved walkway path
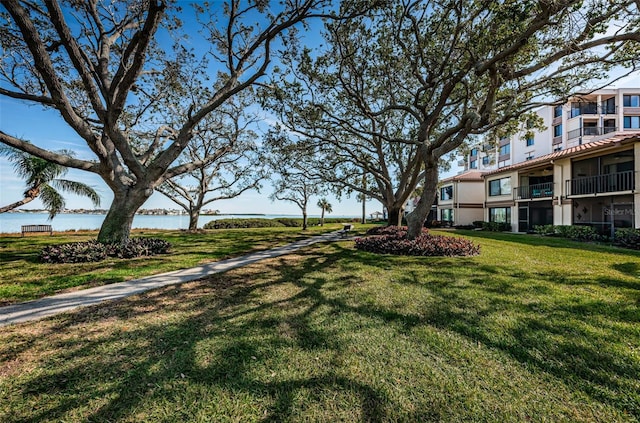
48	306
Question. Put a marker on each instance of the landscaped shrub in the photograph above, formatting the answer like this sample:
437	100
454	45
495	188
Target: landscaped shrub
243	223
546	230
138	247
75	252
91	251
390	230
477	224
496	226
578	233
627	238
289	222
392	240
296	222
574	232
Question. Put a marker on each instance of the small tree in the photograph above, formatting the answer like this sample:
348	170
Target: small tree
325	206
290	164
229	160
42	178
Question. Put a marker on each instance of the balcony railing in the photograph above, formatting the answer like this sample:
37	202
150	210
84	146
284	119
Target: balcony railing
578	109
589	131
613	182
529	192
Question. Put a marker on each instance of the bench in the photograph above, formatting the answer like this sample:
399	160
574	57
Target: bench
345	230
37	228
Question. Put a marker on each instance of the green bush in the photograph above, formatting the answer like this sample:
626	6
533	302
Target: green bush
289	222
627	238
296	222
574	232
92	251
292	222
496	226
243	223
546	230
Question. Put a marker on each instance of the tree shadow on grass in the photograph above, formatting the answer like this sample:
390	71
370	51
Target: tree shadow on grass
575	338
155	358
225	333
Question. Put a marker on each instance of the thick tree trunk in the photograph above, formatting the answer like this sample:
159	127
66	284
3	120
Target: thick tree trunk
193	220
364	209
116	227
415	219
304	220
322	218
395	216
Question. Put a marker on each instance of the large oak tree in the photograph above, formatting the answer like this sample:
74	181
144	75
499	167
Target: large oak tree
446	71
112	71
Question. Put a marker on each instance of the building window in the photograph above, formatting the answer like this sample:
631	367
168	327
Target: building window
474	152
486	160
529	156
557	111
632	122
505	149
500	214
500	187
530	141
446	193
473	164
557	130
631	100
447	215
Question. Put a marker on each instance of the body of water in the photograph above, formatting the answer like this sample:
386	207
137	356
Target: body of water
11	222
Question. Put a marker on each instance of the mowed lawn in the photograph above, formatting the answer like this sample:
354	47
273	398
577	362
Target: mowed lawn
533	329
23	277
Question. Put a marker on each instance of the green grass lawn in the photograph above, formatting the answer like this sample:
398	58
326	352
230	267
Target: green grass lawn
23	278
533	329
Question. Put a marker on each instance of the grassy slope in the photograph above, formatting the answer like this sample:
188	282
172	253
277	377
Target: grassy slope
23	278
525	331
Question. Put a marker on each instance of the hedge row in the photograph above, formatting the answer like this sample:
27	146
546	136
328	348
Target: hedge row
91	251
290	222
392	240
627	238
574	232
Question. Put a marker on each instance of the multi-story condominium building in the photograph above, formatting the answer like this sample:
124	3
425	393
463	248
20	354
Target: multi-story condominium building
581	170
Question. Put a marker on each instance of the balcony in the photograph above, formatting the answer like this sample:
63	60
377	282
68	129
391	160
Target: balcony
590	131
613	182
592	108
532	192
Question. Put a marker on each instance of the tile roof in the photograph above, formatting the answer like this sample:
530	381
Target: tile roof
584	148
470	175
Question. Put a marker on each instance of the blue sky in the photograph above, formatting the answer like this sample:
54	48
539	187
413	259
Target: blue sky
46	129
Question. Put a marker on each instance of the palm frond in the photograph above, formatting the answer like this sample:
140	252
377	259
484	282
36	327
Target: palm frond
52	200
77	188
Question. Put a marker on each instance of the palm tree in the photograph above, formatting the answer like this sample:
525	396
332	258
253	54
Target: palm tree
42	181
325	206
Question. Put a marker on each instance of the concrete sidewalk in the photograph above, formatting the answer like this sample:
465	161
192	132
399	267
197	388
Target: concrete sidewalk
56	304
